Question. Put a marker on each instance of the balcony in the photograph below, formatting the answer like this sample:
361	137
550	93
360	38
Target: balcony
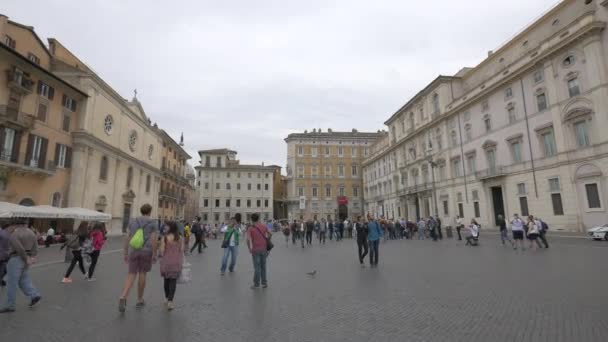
13	118
19	82
492	172
32	168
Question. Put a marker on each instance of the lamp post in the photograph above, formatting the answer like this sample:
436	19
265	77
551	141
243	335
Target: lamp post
433	165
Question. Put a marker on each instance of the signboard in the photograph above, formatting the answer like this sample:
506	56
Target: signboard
342	200
302	202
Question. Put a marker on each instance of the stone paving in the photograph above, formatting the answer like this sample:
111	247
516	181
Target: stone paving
421	291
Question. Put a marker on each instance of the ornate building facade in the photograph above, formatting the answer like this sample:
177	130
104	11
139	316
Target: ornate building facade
175	188
522	132
324	175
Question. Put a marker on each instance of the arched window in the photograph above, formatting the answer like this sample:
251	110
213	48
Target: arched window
103	168
148	183
129	176
56	201
28	202
435	103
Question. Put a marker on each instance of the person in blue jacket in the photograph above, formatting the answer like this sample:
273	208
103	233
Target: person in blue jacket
373	236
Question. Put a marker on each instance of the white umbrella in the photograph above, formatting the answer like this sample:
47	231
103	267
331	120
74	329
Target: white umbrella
85	214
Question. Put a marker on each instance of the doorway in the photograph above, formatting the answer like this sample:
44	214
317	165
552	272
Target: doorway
342	212
126	217
497	202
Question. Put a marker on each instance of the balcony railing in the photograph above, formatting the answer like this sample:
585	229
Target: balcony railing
15	117
19	82
492	172
17	163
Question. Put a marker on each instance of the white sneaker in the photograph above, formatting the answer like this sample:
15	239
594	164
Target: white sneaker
91	279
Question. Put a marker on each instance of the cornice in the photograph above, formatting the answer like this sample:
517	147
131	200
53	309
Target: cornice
84	139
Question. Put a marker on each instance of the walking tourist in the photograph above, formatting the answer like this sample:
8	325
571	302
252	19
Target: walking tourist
310	226
459	226
361	228
187	232
294	231
533	232
504	234
286	232
22	254
432	227
542	231
172	253
4	252
374	233
139	253
199	236
421	229
439	232
50	235
340	234
230	243
257	242
75	244
331	229
97	241
473	233
323	231
517	228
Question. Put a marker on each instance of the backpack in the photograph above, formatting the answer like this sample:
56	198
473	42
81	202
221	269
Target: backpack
138	239
544	226
196	229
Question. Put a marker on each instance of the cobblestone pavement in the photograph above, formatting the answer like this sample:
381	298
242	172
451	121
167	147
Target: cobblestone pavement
421	291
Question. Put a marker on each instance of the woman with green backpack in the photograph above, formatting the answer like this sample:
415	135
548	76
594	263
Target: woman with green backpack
230	243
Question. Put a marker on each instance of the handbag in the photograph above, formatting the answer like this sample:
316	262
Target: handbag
269	244
226	242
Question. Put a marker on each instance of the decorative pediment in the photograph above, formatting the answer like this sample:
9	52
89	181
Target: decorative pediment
577	113
488	144
576	108
588	170
515	137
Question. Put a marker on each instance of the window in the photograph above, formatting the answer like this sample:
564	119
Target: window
265	186
227	174
541	102
315	171
446	212
258	203
422	114
454	138
132	140
355	191
340	151
148	183
435	103
206	186
476	209
300	171
467	133
573	88
554	185
512	115
366	151
238	186
521	189
340	170
300	191
328	191
491	158
441	172
33	58
69	103
516	151
508	93
56	200
238	203
313	151
556	200
300	151
129	176
539	76
266	175
327	151
259	186
45	90
581	132
218	161
9	41
207	161
248	174
9	147
341	191
206	203
471	163
36	151
327	171
315	192
354	171
265	203
568	61
523	206
217	186
66	123
228	203
249	186
487	121
593	196
63	156
548	143
460	210
248	203
41	114
227	186
217	203
103	168
456	168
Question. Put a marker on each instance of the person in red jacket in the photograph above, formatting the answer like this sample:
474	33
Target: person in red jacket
97	240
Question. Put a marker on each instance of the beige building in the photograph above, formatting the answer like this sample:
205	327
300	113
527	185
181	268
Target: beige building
226	187
324	175
117	150
38	113
522	132
175	188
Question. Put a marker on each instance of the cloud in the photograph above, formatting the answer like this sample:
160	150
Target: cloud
244	74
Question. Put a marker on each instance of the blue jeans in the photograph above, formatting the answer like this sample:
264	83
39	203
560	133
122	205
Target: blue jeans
259	268
373	252
18	275
230	250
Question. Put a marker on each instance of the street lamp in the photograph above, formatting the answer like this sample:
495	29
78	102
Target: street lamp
433	165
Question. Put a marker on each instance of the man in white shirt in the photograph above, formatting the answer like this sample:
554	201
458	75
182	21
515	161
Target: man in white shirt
517	228
459	226
50	234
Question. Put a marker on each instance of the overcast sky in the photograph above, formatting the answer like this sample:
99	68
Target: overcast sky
244	74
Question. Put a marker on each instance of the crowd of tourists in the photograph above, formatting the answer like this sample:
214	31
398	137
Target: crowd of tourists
149	240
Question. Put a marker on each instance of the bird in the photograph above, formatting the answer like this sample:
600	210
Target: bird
312	274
